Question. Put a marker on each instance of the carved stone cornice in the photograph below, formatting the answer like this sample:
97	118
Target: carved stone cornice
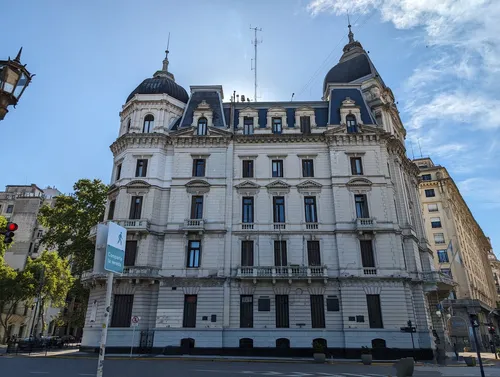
139	140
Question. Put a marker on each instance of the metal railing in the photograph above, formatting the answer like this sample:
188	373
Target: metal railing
436	276
294	272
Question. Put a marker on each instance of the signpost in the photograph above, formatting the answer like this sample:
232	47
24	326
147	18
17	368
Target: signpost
114	258
411	329
474	321
135	322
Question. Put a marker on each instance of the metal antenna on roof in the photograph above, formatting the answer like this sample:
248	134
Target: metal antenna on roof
165	61
293	94
350	35
412	152
255	42
419	147
168	40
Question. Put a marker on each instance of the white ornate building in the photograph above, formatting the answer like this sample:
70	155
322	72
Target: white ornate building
267	225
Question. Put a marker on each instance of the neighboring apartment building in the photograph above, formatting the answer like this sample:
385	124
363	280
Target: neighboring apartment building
267	225
460	250
495	268
20	204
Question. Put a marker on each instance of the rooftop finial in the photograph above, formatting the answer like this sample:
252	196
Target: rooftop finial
165	61
18	57
350	35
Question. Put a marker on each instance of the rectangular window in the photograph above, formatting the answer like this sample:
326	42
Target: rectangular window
426	177
247	253
439	238
317	311
307	168
130	253
189	318
111	210
248	126
432	207
197	207
246	311
118	172
280	257
10	208
374	311
313	254
435	222
194	254
247	210
332	304
277	168
141	168
279	209
310	209
443	256
277	126
199	167
367	257
429	193
282	320
135	207
305	124
39	234
248	169
264	304
122	310
356	166
447	271
361	206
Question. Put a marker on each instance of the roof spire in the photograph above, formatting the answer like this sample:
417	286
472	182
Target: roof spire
350	35
164	71
18	57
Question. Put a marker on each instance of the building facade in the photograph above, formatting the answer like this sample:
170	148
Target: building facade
460	251
21	204
267	225
495	269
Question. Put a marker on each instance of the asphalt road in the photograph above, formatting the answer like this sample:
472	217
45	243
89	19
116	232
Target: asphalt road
78	367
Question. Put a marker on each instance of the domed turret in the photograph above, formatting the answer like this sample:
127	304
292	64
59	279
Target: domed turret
162	82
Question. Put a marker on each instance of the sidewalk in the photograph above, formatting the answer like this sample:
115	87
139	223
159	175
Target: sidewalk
455	372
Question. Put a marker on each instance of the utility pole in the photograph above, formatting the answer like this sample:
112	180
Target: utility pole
255	42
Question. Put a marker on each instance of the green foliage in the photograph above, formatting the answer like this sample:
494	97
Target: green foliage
70	219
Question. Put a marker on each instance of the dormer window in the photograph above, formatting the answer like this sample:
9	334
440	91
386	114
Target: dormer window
247	126
202	127
277	126
305	124
149	122
352	124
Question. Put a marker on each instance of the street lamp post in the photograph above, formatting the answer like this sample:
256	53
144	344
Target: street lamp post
14	78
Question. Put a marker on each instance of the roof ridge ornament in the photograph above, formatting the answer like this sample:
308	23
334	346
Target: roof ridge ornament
164	71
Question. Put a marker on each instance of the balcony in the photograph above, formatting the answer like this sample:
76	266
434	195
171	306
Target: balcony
312	226
134	225
366	224
128	272
279	226
247	226
282	272
194	225
369	271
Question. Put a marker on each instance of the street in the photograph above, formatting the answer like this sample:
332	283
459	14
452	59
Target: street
77	367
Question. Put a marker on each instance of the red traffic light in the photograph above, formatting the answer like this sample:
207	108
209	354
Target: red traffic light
12	227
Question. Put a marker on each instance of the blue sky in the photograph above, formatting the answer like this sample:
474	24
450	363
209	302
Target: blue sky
441	59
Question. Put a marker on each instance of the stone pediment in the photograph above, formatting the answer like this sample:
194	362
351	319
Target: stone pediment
363	129
137	187
359	185
197	187
309	187
247	184
189	132
359	182
278	187
247	188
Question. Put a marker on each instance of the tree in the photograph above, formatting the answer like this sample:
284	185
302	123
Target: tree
52	276
70	219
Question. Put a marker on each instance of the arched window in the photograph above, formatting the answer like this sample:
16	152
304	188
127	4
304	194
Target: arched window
149	122
282	343
246	343
378	343
352	125
202	126
129	122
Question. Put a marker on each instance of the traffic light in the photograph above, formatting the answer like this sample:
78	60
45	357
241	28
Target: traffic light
9	232
491	328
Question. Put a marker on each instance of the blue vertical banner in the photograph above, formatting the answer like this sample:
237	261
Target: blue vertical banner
115	248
